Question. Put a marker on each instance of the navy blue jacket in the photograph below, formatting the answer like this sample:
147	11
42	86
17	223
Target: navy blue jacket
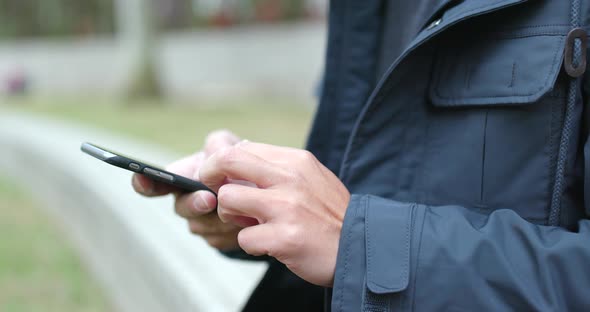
468	160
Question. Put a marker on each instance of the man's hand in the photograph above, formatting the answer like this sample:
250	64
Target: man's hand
197	207
299	203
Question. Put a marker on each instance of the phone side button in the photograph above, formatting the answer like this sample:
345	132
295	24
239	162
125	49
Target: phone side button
157	173
166	176
134	166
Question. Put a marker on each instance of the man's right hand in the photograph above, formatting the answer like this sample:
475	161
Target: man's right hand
197	208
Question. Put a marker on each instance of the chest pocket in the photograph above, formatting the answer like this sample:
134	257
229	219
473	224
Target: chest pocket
498	70
496	106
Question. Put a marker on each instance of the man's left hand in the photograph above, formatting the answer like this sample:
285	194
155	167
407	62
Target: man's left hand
299	205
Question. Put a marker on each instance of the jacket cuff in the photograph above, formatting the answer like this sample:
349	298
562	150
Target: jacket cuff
375	254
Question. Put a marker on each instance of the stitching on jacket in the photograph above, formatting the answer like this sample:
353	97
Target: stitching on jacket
483	158
525	35
404	277
551	155
347	253
407	246
419	238
367	225
507	97
511	85
540	30
533	26
368	236
407	250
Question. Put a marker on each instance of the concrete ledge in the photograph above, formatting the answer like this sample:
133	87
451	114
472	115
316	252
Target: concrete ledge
137	248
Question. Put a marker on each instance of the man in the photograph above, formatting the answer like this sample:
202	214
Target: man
460	130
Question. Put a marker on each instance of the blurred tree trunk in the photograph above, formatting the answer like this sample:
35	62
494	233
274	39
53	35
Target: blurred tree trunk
138	33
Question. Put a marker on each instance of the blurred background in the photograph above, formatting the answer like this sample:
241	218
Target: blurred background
151	76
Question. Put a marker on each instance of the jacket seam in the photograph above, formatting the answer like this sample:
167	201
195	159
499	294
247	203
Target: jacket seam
532	30
407	253
420	230
367	218
361	201
551	157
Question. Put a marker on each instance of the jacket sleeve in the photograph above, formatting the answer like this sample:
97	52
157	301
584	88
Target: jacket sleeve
407	256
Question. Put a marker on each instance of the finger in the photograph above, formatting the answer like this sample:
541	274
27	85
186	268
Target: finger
277	154
236	200
195	204
269	152
219	139
150	188
187	166
241	221
281	155
258	240
207	225
222	242
237	164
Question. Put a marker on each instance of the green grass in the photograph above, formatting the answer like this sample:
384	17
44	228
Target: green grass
38	270
182	126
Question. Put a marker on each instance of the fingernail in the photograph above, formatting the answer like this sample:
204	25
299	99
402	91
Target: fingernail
201	201
138	185
148	188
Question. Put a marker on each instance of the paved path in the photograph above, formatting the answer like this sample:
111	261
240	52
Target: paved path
136	247
284	60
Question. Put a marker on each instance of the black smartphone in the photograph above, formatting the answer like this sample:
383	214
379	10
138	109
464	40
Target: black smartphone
153	172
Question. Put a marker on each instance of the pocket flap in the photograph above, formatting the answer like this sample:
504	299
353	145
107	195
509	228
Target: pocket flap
497	70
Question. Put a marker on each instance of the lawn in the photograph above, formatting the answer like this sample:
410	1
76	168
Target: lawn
182	126
38	270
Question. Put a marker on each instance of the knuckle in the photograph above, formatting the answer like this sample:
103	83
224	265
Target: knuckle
292	237
291	175
289	202
306	156
226	155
